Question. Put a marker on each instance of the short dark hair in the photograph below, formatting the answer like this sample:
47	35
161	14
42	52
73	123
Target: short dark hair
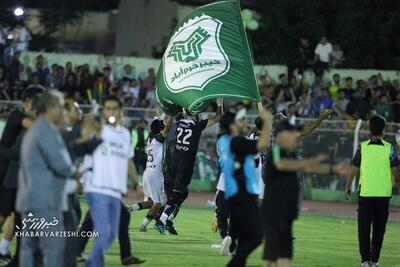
157	126
282	75
226	121
30	94
45	102
348	78
377	124
113	98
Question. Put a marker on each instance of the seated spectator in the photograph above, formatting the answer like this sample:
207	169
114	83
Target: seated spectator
348	88
337	56
317	86
149	85
100	90
35	84
68	68
383	108
129	72
133	89
358	107
108	75
334	88
304	106
21	37
341	104
265	79
54	79
324	101
41	69
396	108
70	86
291	111
268	96
322	59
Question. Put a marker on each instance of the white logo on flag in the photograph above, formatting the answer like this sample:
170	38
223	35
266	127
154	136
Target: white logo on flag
194	56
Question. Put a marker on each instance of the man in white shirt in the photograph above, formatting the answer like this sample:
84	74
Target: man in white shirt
108	182
323	58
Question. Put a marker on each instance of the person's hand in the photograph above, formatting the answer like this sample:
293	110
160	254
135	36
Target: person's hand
265	115
78	174
319	158
347	193
326	113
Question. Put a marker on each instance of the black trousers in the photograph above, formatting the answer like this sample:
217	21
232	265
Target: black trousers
372	211
123	233
246	228
320	67
71	223
223	213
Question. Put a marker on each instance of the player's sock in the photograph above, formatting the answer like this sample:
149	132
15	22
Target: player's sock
164	218
4	246
147	220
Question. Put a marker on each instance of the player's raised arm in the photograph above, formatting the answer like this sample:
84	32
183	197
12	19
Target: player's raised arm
218	115
265	133
167	126
310	128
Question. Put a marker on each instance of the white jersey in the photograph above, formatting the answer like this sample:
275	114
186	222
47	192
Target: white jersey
110	163
155	152
258	160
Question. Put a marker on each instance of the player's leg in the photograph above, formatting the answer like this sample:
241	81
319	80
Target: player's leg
87	226
222	214
365	215
147	203
379	227
123	238
285	243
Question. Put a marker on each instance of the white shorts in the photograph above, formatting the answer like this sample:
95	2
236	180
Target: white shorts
153	185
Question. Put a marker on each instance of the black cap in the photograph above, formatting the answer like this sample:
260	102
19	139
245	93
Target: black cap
287	126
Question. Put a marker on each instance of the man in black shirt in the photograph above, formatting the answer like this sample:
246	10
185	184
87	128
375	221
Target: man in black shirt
281	196
17	121
188	133
241	182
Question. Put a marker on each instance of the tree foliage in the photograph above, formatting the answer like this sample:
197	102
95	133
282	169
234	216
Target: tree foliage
367	30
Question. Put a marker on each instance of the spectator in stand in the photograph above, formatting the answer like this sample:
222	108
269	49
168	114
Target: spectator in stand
133	90
341	104
70	87
53	79
285	94
358	107
129	72
108	75
291	112
36	85
21	37
334	88
324	101
14	67
317	86
265	79
149	86
305	57
322	59
268	96
304	106
348	89
384	108
396	108
100	89
68	68
337	56
41	70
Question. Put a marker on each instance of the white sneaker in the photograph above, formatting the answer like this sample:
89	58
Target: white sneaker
142	228
365	264
226	243
374	264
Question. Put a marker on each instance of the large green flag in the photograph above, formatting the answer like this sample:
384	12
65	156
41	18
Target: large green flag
207	57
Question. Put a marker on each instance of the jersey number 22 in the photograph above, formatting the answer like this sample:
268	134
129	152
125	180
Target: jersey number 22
185	134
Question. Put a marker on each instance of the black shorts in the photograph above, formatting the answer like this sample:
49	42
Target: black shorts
222	205
278	239
7	201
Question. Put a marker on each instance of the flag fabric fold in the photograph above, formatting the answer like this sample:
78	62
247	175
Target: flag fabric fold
207	57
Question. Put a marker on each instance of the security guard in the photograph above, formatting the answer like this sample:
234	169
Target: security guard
376	161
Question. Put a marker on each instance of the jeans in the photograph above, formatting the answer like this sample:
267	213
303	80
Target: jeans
105	212
123	233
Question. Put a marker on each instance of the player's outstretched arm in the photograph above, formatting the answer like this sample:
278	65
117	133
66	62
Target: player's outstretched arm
285	164
132	173
167	126
218	115
310	128
349	180
263	140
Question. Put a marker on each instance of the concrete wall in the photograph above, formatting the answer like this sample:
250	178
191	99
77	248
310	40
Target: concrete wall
141	25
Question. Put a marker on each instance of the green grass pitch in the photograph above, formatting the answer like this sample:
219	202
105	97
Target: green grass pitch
322	241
